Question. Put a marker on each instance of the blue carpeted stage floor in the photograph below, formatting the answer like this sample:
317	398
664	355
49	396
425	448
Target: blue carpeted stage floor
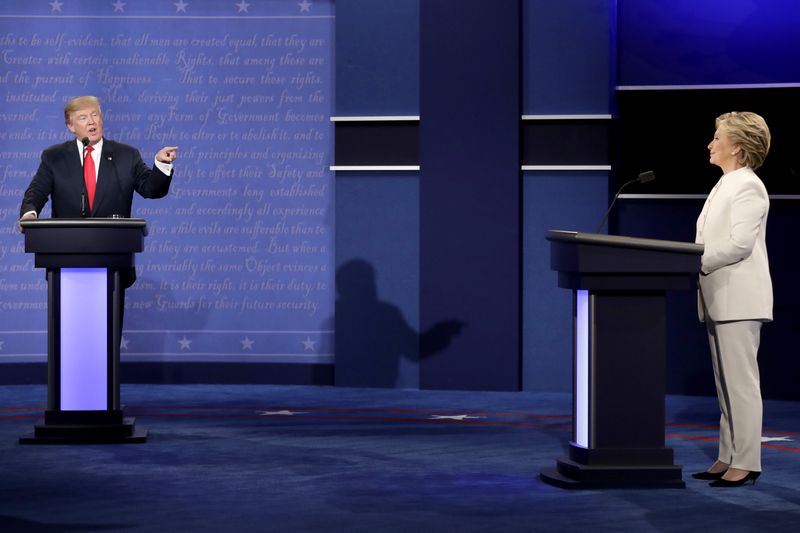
290	458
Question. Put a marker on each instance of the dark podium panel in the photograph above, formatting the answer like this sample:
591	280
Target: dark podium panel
83	259
619	286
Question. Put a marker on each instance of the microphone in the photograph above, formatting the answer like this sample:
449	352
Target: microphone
85	143
644	177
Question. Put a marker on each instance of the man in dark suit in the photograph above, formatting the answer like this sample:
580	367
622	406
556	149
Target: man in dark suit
106	188
119	170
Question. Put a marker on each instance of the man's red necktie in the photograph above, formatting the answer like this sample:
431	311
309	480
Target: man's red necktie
88	175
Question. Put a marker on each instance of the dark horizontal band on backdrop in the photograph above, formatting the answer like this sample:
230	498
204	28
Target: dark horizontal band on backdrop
392	143
566	140
376	141
192	373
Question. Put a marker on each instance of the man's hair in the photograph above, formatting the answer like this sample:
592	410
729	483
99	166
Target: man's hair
81	102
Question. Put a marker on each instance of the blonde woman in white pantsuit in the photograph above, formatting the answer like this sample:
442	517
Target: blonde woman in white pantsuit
735	296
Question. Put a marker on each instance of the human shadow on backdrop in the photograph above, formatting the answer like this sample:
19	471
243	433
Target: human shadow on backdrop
372	336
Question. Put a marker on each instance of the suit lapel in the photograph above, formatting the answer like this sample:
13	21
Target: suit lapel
701	226
105	176
74	171
74	168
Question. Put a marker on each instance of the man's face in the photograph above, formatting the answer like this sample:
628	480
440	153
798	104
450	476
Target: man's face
87	122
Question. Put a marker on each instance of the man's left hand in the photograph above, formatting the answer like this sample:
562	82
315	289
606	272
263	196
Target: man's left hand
168	154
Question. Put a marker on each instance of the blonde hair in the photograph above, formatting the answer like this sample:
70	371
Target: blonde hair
750	133
80	102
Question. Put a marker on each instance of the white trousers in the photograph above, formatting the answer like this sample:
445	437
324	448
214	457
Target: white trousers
734	355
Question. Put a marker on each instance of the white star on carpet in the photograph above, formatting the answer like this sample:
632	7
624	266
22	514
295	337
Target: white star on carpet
185	343
242	6
305	5
247	344
776	439
180	6
119	6
308	344
55	5
453	417
1	345
123	343
280	413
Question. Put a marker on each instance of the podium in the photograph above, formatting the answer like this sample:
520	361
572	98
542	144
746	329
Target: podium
84	259
619	289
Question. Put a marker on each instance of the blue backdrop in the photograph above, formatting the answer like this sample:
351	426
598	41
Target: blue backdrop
238	264
686	42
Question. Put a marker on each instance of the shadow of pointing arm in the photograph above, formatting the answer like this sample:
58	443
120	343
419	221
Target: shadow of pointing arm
438	337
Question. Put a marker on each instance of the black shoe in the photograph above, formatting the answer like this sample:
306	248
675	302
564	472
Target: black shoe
709	476
751	476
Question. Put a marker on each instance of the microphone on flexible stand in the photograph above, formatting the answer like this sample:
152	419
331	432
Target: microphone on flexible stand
644	177
85	143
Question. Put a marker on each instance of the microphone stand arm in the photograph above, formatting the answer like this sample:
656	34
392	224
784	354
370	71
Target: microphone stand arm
608	211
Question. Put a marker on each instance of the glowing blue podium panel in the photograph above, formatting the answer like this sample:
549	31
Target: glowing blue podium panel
619	326
84	339
582	368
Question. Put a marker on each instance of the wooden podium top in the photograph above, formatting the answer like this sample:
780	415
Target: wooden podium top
85	223
84	242
621	241
612	262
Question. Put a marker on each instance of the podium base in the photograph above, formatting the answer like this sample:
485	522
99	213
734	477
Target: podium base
60	429
617	478
615	468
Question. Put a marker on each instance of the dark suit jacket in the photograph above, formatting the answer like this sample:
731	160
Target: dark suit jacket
122	171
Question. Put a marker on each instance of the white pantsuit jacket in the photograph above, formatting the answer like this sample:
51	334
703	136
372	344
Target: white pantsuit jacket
735	283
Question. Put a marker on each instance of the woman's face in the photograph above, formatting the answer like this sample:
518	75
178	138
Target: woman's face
722	152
